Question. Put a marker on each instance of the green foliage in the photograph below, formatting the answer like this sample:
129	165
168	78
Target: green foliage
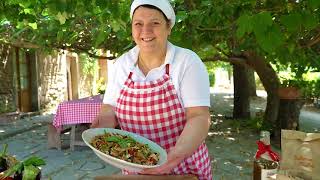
212	79
4	150
311	89
28	167
266	32
5	108
78	26
210	69
255	123
89	65
259	85
258	124
308	84
284	32
316	88
101	86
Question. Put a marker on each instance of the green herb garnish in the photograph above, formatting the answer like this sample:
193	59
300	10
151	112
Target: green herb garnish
123	142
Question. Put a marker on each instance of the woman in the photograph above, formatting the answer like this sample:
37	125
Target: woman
161	92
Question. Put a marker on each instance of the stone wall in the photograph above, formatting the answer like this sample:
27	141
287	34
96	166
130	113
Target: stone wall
52	81
7	98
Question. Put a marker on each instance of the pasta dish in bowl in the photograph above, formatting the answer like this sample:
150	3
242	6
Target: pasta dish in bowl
124	149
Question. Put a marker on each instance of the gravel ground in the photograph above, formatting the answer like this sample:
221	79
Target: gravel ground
232	144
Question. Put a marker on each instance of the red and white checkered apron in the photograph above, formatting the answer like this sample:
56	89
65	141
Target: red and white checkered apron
152	109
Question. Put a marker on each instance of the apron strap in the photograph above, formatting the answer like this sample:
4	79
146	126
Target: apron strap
167	69
130	75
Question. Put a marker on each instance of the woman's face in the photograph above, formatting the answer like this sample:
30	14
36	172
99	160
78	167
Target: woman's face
150	29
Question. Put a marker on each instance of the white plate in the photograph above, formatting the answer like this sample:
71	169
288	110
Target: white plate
89	134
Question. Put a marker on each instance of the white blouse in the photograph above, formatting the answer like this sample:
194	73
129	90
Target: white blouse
187	72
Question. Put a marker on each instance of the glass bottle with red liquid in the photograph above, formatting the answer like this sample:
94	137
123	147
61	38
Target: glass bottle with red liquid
266	161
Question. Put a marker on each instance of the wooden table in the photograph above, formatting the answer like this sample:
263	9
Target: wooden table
146	177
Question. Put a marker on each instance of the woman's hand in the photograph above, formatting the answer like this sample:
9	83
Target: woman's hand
172	162
106	118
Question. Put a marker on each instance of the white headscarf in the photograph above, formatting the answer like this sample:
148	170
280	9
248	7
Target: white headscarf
163	5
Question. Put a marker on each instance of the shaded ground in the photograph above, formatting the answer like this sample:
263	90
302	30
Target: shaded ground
230	143
310	118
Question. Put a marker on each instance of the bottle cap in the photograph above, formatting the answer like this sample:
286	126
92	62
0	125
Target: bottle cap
265	137
265	134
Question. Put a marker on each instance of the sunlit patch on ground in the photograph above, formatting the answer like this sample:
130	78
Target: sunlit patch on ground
228	97
239	167
231	138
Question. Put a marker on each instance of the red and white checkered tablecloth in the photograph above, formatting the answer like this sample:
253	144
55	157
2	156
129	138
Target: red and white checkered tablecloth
77	111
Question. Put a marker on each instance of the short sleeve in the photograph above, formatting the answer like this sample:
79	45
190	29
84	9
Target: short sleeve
112	88
194	86
117	75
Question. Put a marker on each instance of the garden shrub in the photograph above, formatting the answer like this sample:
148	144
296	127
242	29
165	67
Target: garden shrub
212	78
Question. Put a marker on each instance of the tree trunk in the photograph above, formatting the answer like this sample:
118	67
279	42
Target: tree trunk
229	70
241	109
271	84
252	83
269	80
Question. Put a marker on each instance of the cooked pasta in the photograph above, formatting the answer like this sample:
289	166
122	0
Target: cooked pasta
125	148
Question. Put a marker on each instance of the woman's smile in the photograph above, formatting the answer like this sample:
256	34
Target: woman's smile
147	39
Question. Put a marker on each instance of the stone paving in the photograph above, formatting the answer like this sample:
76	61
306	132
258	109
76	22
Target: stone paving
29	137
231	146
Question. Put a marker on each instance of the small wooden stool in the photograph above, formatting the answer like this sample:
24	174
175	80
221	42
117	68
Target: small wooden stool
75	135
54	140
9	117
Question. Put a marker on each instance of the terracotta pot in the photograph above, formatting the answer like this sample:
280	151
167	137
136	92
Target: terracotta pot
289	93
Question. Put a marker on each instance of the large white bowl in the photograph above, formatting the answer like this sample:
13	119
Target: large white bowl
89	134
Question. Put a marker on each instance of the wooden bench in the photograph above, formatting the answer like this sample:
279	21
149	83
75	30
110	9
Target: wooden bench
9	117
